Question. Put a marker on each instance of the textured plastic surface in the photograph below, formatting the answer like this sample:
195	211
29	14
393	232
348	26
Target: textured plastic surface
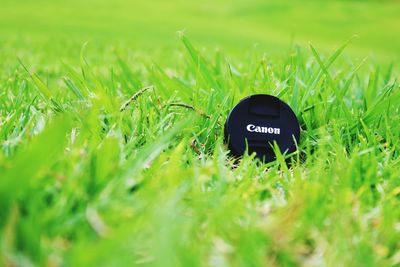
256	122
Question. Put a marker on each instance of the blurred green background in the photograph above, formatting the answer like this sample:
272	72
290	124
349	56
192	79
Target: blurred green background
229	25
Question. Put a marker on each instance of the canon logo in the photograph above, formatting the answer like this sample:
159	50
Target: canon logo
261	129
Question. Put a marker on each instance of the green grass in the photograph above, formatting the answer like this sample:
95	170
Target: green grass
112	151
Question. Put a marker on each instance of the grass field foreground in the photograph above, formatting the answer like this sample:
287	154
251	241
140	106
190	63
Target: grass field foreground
113	156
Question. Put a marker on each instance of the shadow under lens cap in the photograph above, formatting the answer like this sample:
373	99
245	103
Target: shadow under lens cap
259	120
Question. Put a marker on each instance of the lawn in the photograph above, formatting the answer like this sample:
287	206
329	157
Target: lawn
111	132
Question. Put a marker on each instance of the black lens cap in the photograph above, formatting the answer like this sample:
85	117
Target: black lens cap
256	122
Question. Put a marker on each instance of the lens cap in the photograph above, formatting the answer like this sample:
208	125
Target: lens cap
256	122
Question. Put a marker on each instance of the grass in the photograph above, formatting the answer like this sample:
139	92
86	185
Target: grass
112	151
